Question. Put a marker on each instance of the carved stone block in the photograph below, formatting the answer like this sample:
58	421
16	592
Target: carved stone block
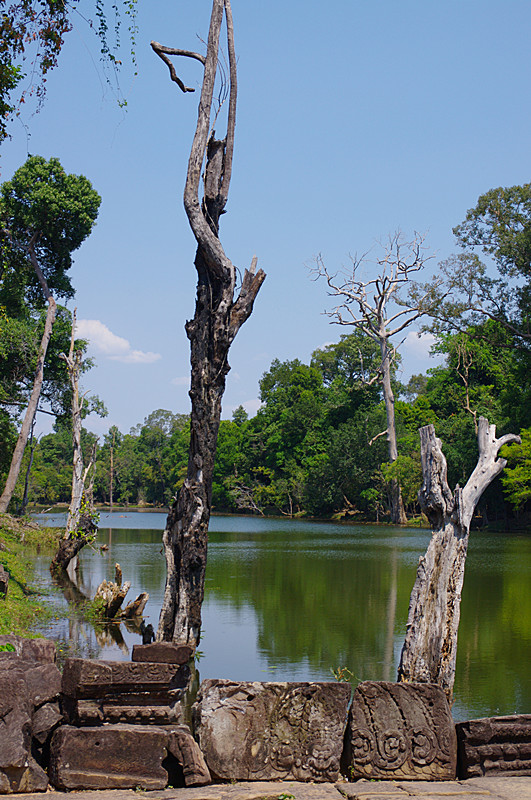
494	746
400	731
131	709
109	757
162	653
123	756
83	678
271	731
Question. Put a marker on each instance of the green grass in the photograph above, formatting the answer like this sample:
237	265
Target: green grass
22	609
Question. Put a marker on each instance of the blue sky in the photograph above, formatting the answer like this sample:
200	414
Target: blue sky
355	119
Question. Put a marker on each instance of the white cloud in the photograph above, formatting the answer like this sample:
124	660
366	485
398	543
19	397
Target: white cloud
419	344
114	347
183	381
251	406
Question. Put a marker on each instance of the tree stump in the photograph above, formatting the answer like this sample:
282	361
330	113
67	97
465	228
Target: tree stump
430	646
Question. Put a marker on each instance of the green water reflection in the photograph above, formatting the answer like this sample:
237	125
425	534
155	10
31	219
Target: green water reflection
293	600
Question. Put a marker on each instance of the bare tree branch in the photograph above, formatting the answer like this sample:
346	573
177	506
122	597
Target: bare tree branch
163	53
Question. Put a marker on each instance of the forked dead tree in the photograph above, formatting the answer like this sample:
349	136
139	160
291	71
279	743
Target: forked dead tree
80	528
366	306
430	646
218	317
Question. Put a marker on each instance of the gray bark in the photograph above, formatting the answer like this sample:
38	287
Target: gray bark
218	317
73	364
430	646
397	511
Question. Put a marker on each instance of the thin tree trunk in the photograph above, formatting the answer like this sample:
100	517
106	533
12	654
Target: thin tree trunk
73	365
218	317
18	453
397	512
430	646
28	471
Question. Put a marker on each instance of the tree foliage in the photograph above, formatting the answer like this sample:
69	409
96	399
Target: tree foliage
32	34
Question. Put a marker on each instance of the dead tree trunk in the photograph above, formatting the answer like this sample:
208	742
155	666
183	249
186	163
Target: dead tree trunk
73	365
397	512
80	529
365	305
430	646
218	317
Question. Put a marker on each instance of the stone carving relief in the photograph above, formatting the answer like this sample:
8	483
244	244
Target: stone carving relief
399	730
272	731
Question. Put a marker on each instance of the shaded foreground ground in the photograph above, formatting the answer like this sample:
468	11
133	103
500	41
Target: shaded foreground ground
516	788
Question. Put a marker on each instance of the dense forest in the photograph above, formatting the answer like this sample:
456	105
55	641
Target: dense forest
307	449
317	445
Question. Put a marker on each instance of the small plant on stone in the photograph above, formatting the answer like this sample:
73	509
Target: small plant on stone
343	674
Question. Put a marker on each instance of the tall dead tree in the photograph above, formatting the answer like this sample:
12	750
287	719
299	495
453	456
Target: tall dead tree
365	305
219	315
430	646
31	410
80	528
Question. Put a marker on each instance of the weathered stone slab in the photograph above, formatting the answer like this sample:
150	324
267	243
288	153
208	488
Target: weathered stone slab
506	787
108	757
4	582
163	653
495	746
271	731
44	722
129	709
43	681
19	772
26	779
15	719
400	731
183	746
83	678
42	650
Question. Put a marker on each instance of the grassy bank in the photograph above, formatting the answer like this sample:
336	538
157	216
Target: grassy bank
23	607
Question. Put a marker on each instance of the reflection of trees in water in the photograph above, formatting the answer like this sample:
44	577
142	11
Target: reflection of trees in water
86	639
494	650
348	608
331	610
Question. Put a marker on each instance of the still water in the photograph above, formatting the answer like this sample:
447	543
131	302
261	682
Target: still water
294	600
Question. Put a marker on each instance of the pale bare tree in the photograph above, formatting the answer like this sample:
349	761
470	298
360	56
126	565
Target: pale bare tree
219	314
79	529
378	308
430	646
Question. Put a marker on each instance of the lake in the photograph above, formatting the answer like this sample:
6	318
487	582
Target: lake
295	600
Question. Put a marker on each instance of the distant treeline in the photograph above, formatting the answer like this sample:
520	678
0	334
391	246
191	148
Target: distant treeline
314	446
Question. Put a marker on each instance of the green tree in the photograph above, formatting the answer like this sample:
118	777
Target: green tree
496	233
516	477
350	370
378	308
45	214
31	39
